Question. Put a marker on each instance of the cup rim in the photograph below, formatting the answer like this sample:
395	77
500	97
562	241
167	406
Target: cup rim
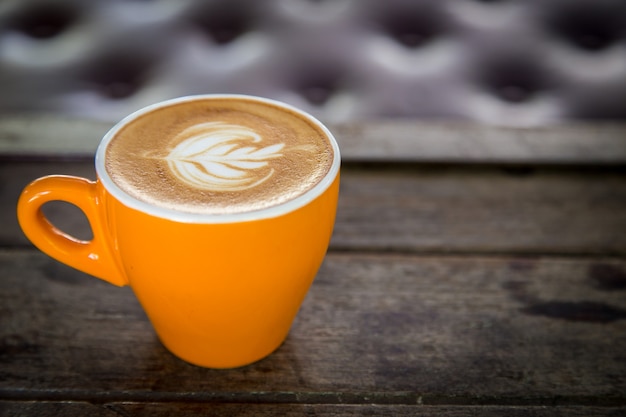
188	217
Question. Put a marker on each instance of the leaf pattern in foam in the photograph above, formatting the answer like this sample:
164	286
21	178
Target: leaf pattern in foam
216	156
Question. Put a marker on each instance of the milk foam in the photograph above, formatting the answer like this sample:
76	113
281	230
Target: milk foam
216	156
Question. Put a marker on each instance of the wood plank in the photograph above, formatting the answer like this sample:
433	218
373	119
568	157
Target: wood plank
427	209
374	329
52	408
50	135
458	210
74	409
377	140
458	142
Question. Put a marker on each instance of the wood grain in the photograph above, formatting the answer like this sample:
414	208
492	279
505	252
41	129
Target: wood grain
374	140
81	409
456	210
374	329
493	284
454	142
427	209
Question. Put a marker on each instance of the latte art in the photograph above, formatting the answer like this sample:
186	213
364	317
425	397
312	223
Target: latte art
223	155
216	156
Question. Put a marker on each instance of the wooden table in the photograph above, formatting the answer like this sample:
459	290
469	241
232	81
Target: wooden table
473	271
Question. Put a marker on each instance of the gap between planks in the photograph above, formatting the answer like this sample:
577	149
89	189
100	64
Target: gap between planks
310	398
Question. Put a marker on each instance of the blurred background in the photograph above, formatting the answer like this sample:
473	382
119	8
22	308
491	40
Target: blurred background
504	62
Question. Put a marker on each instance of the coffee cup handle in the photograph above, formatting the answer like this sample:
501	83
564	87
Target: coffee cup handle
95	256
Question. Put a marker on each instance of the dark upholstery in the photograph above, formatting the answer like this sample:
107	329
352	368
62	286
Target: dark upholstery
515	62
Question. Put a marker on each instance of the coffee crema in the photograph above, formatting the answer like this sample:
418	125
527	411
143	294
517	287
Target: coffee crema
218	156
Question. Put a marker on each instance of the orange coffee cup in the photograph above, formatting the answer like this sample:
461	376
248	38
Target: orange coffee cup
221	290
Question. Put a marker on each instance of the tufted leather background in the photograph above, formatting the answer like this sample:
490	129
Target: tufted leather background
512	62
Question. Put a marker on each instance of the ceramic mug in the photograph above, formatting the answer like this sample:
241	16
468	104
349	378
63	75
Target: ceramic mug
221	291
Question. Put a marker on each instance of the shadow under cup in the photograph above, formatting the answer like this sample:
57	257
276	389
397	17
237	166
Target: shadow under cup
221	291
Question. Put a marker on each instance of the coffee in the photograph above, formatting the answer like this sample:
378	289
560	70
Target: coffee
221	155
